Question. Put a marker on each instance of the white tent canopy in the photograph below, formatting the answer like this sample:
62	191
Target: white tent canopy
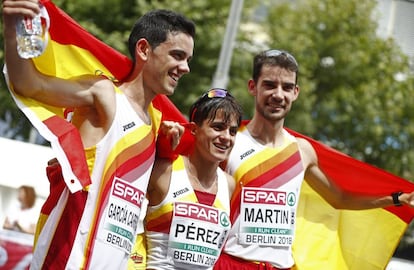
24	164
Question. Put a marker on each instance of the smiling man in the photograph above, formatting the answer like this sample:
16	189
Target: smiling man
269	166
118	127
189	198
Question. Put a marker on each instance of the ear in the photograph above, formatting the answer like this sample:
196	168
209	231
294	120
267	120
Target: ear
251	86
192	127
296	92
142	49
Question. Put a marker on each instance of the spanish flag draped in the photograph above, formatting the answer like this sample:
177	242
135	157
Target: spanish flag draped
73	52
326	238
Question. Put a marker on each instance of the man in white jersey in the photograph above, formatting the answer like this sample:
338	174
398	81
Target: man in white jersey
96	227
269	166
189	198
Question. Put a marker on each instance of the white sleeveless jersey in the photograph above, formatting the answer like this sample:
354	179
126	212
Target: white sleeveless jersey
263	206
96	228
182	233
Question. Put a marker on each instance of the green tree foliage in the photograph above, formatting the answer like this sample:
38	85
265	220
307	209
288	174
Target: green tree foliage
209	16
112	20
351	95
355	86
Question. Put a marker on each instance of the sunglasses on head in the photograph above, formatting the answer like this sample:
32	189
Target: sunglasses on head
216	92
212	93
274	53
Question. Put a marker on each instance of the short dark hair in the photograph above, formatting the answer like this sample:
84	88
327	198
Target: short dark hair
207	107
155	25
279	58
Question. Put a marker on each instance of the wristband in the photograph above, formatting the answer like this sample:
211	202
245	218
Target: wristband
396	198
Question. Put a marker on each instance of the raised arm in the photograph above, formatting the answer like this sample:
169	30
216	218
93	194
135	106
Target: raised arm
27	81
333	194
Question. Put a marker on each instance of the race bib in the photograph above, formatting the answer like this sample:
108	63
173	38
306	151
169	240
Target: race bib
267	217
197	234
122	215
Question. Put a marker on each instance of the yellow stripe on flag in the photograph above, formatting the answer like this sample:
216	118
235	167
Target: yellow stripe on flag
63	61
40	110
327	238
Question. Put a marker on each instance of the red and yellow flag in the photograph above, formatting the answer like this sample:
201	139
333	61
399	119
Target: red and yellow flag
326	238
71	52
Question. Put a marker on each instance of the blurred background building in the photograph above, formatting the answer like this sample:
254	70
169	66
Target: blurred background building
396	20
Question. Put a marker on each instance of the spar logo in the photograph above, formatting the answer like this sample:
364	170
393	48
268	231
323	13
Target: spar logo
263	196
125	191
224	219
196	211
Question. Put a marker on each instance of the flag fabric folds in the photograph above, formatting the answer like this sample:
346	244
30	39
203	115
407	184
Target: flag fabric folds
72	52
326	238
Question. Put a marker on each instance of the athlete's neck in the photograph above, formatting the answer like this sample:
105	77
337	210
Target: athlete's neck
266	133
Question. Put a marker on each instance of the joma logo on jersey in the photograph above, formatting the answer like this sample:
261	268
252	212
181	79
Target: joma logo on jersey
196	212
128	126
264	196
180	192
127	192
247	153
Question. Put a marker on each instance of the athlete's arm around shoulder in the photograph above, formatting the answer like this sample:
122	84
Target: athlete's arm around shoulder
159	182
